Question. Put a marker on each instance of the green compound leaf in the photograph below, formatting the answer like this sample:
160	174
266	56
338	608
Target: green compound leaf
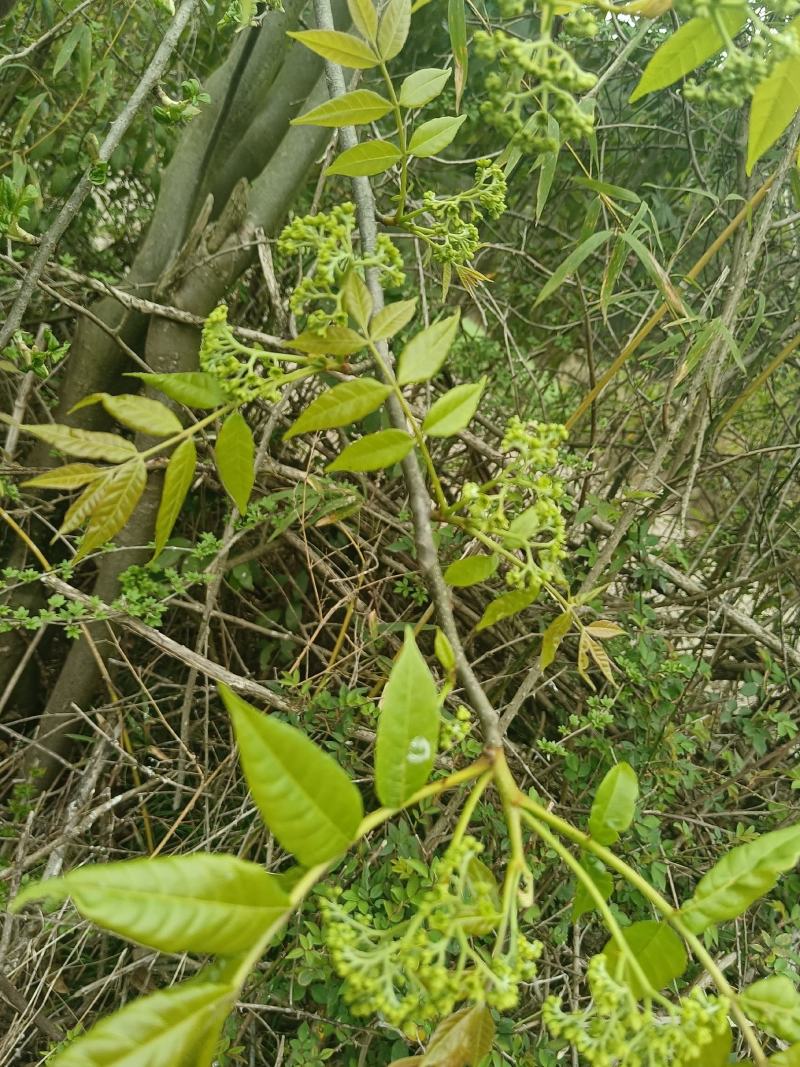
344	403
614	804
201	903
234	455
393	29
352	109
357	299
774	1004
657	949
462	1039
365	159
790	1057
505	606
175	1026
695	42
434	135
453	412
304	796
177	482
365	17
122	490
391	319
552	638
603	882
423	86
136	412
571	263
408	727
335	341
775	103
742	876
424	354
373	452
338	47
195	389
70	476
85	444
471	570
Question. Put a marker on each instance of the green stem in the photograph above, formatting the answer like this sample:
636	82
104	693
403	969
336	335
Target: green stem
401	137
187	431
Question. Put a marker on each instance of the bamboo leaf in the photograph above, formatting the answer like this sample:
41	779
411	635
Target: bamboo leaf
177	482
195	389
471	570
338	47
572	262
453	412
423	86
86	444
352	109
234	455
344	403
657	949
425	353
365	159
393	29
434	135
614	804
376	450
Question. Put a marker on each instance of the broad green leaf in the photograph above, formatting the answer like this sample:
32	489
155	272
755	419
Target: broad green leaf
774	1004
357	299
338	47
714	1053
657	949
423	86
365	159
742	876
471	570
205	903
571	263
122	491
393	28
391	319
195	389
353	109
457	26
408	727
696	41
462	1039
173	1027
523	528
234	455
136	412
790	1057
603	882
336	341
452	412
434	135
177	482
345	403
365	17
614	804
373	452
425	353
304	796
86	444
506	605
775	103
552	638
70	476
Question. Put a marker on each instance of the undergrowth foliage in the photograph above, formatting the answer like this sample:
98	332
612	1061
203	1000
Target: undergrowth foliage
446	966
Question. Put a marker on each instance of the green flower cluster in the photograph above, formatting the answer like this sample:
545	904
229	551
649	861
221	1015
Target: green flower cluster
327	238
243	372
23	354
532	82
581	23
454	730
417	970
616	1031
450	229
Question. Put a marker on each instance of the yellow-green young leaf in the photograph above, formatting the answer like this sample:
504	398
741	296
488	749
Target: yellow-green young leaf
552	638
195	389
86	444
338	47
376	450
365	17
444	651
408	727
171	1027
352	109
425	353
716	1052
357	299
656	948
206	903
391	319
790	1057
452	412
365	159
122	491
470	570
742	876
344	403
336	341
506	605
393	29
614	804
572	262
423	86
71	476
234	455
603	630
304	796
775	104
598	654
81	508
774	1004
462	1039
434	135
601	880
686	49
136	412
457	25
177	481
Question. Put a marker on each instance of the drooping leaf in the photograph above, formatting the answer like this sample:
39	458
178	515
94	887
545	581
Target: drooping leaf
471	570
338	47
234	455
425	353
742	876
373	452
423	86
453	412
365	159
305	798
505	606
357	108
70	476
393	28
571	263
68	46
603	882
603	630
86	444
457	26
335	341
205	903
195	389
136	412
462	1039
357	299
123	488
408	727
83	507
775	103
345	403
552	638
365	17
177	482
656	948
614	804
434	135
774	1004
391	319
